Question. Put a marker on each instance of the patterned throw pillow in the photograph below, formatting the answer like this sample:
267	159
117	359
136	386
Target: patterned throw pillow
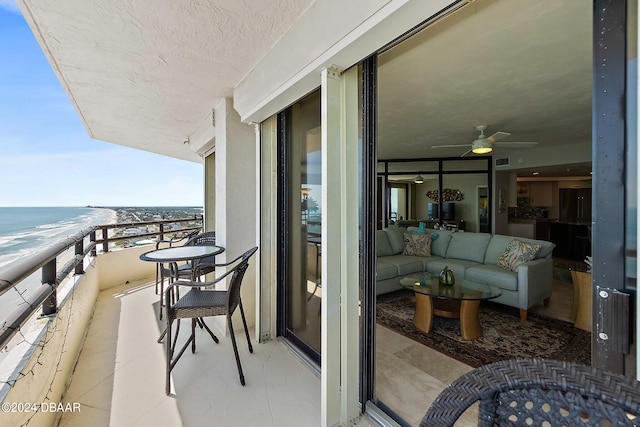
517	252
417	244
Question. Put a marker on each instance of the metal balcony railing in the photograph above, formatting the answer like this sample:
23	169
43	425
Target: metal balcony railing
86	244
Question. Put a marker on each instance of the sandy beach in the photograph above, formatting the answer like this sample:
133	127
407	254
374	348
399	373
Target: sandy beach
113	217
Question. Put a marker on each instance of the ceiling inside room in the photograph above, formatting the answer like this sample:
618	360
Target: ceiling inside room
516	66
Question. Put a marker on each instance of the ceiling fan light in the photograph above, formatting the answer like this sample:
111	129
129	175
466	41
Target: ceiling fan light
419	179
482	150
481	146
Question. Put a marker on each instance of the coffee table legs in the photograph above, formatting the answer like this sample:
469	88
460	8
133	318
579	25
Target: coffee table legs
470	328
468	311
424	313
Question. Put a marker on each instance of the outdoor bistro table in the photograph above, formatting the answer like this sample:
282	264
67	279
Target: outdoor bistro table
175	255
461	300
181	253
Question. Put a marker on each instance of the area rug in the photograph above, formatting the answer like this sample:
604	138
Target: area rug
505	335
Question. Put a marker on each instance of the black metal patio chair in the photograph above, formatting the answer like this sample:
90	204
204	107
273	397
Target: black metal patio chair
539	392
163	271
197	268
201	302
191	270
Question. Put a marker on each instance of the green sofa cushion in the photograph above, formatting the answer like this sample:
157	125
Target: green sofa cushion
493	275
468	246
441	243
385	269
396	238
406	264
496	247
383	247
458	266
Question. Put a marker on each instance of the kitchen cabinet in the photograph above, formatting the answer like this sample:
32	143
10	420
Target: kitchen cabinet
541	194
535	194
522	189
522	229
542	230
572	240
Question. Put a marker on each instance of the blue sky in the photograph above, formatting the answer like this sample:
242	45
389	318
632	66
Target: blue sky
46	155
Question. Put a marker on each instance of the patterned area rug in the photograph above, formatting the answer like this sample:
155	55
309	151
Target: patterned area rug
505	336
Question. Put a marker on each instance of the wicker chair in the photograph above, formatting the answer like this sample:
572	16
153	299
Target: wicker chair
202	266
540	393
198	303
162	270
192	270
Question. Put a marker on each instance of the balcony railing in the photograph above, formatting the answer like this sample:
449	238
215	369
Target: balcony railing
85	243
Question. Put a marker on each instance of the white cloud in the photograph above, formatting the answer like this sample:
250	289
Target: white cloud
10	6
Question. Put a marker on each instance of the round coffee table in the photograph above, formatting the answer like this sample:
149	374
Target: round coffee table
461	300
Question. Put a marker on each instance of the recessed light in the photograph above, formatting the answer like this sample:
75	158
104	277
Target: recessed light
536	173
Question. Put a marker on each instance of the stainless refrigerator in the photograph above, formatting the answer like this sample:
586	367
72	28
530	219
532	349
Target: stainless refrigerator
575	205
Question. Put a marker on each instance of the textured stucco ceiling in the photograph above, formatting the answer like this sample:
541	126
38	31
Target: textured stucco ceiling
145	73
518	66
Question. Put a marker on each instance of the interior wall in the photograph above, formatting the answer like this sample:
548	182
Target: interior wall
465	208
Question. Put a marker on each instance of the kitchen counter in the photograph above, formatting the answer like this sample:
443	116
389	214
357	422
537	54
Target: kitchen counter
574	222
533	220
531	228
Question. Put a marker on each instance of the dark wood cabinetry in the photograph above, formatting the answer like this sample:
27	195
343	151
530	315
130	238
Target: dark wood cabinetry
572	240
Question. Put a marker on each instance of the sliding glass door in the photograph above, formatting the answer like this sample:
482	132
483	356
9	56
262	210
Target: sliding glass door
299	290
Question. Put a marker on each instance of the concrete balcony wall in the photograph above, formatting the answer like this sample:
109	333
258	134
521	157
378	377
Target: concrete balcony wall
44	362
122	266
48	355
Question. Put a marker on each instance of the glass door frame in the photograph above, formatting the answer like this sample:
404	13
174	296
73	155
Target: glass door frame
612	322
609	201
284	139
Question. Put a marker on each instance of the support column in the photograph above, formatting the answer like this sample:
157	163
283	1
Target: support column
269	215
340	248
235	196
350	250
210	192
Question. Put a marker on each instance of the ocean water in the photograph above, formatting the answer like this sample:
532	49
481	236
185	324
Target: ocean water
25	231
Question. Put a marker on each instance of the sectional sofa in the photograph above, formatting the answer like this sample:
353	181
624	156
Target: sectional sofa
470	255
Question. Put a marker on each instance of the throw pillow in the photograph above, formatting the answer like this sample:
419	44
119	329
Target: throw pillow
517	252
417	244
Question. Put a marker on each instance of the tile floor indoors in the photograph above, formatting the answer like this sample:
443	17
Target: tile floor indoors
119	378
409	376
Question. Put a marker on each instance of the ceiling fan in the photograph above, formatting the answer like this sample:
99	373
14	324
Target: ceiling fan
484	144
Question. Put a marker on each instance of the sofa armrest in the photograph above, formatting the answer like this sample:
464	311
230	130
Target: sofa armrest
535	282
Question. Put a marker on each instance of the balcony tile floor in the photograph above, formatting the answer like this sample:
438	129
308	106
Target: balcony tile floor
119	378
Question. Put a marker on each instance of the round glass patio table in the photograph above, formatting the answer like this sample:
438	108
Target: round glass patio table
181	253
175	255
460	301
